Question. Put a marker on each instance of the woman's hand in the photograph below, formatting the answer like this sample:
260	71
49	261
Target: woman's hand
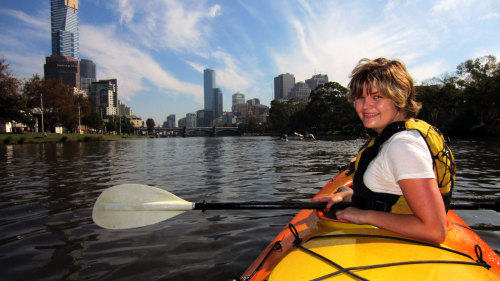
343	196
353	215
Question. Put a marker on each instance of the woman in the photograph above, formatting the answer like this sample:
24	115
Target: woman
383	93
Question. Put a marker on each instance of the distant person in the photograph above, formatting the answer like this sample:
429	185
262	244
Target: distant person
308	136
284	137
398	166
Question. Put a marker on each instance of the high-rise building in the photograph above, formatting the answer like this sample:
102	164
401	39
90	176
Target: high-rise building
171	121
190	120
317	80
204	118
208	86
64	28
217	102
104	97
182	122
300	91
87	74
283	85
238	98
64	69
124	110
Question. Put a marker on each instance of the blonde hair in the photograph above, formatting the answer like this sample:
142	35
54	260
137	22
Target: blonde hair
391	79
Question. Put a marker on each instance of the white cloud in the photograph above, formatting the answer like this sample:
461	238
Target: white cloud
126	11
427	70
129	64
454	6
181	26
39	23
20	41
228	74
338	36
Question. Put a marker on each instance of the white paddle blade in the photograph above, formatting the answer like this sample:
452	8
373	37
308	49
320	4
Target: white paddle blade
135	205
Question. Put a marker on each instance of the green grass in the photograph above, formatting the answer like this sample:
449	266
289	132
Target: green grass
40	138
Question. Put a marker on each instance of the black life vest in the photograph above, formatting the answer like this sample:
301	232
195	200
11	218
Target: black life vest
443	164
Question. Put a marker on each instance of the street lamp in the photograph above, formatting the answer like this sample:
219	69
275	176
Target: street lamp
120	119
79	125
41	105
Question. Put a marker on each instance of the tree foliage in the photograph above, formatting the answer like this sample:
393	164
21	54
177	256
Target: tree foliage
60	104
326	110
12	103
440	100
150	123
480	79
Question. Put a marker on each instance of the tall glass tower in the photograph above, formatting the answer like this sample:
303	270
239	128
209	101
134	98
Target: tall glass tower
64	27
208	86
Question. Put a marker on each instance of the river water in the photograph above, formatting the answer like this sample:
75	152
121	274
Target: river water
48	191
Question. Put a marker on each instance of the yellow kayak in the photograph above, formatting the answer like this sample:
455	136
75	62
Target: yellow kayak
314	247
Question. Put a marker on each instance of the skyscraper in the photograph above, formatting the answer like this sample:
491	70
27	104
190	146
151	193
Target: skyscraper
104	97
208	86
217	102
87	74
283	84
64	28
238	98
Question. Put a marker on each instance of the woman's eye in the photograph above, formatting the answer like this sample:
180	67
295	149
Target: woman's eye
378	97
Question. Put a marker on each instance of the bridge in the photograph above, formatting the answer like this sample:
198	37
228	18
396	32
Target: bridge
195	131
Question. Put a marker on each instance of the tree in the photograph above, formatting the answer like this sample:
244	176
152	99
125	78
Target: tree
60	103
52	94
150	123
282	114
93	120
127	126
12	103
111	125
480	80
328	108
440	99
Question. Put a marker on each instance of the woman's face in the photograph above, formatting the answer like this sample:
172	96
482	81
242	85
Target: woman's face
376	110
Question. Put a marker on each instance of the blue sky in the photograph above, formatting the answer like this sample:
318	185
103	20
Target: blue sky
158	49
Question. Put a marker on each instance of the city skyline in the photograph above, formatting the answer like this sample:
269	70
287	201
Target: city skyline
158	51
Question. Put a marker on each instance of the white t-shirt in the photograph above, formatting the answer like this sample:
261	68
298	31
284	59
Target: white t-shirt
403	156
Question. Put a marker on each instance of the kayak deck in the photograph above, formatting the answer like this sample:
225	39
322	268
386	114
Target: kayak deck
375	254
328	247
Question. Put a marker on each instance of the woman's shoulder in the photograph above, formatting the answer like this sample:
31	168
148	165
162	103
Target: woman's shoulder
407	136
408	139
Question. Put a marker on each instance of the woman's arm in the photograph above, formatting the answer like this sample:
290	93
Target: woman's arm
428	221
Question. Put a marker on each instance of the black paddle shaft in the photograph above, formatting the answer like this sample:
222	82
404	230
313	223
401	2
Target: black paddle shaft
265	205
495	205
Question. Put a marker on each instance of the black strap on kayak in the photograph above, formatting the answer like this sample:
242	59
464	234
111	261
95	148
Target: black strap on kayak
348	270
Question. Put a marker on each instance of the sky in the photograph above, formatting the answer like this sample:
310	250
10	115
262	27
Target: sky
158	49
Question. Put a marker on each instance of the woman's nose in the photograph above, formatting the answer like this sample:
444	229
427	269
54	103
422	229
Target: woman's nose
367	102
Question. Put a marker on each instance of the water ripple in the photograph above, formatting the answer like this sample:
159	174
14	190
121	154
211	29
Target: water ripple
48	190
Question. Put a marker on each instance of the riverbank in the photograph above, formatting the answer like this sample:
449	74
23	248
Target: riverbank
40	138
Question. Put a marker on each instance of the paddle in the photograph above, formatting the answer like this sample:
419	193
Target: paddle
135	205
